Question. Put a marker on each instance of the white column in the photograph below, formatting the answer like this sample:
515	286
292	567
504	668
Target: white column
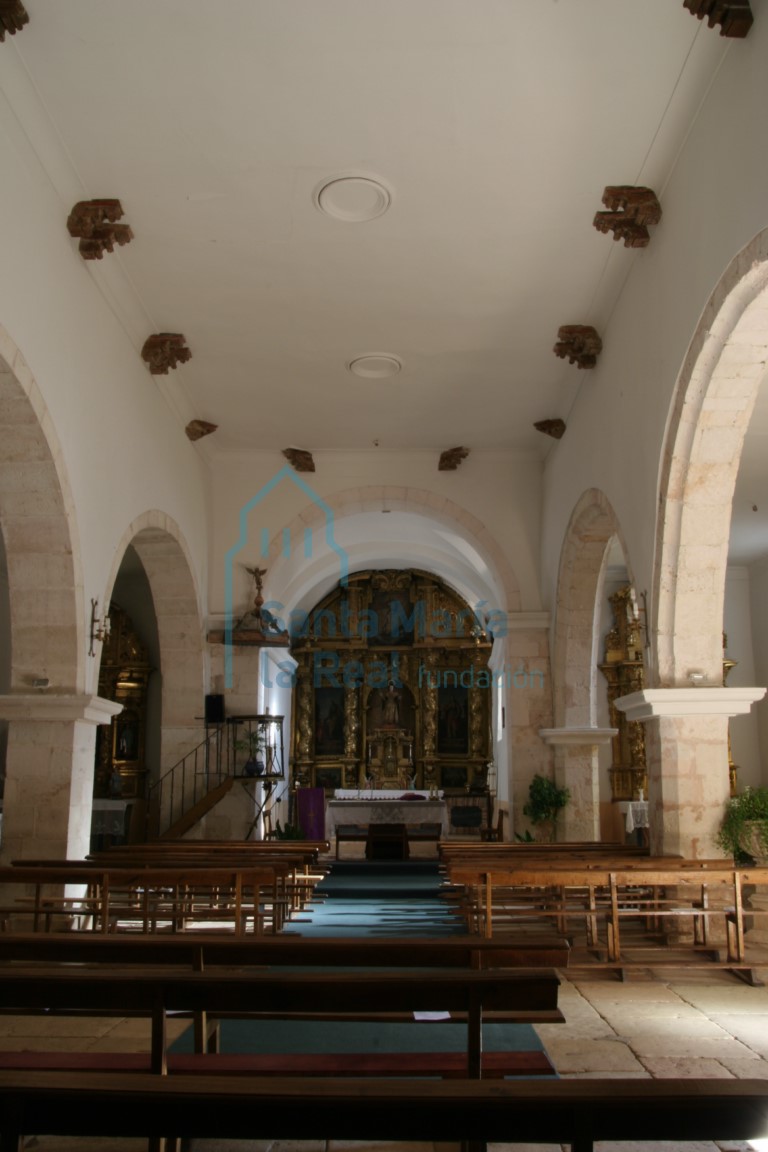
687	757
49	773
577	769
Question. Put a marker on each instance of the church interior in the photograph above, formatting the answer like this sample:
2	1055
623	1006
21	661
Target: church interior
383	437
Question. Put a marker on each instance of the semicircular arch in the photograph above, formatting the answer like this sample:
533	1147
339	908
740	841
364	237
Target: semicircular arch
711	410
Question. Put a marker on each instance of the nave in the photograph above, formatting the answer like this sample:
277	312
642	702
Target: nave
692	1025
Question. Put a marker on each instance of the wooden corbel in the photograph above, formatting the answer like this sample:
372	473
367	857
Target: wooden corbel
164	351
579	343
734	16
554	428
451	458
630	211
196	429
13	17
300	460
93	221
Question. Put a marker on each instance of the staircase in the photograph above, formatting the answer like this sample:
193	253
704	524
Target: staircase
190	789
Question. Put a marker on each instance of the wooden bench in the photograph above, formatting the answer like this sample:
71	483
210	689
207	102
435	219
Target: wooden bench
241	1107
88	897
201	952
660	900
514	995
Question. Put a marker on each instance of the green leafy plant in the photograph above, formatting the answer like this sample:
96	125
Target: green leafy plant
526	837
252	742
545	800
750	807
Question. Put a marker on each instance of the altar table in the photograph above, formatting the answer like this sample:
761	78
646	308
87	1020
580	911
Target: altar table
385	812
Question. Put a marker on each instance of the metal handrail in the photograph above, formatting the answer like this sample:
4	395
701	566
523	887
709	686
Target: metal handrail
184	784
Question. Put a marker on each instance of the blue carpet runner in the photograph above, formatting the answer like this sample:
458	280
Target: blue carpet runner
371	898
379	898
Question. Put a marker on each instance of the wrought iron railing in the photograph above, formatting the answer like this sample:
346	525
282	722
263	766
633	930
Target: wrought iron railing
185	784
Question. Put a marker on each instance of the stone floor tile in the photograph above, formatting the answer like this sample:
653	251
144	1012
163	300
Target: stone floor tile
732	998
651	1011
655	1146
686	1068
44	1027
751	1030
677	1028
641	1075
755	1069
626	993
521	1147
590	1029
689	1047
594	1056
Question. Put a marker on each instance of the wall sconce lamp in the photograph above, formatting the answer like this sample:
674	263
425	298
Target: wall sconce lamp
99	628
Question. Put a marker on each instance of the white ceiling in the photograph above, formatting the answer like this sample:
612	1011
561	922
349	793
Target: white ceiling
494	124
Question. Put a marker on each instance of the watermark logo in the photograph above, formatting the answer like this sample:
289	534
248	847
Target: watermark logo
387	623
264	536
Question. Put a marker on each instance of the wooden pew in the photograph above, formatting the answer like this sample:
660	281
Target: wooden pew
142	899
663	898
203	952
515	995
475	1112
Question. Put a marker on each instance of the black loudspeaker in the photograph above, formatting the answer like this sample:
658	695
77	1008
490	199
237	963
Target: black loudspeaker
214	709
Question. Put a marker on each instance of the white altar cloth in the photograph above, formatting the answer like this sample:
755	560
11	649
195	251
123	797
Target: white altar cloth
637	815
385	812
379	793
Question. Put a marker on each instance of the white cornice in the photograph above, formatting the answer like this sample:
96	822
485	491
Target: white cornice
653	702
528	621
578	736
42	706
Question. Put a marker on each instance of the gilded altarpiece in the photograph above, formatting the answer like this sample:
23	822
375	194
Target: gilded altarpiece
121	768
392	688
624	673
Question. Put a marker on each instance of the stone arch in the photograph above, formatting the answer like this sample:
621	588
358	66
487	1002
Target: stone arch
592	527
160	546
499	578
711	409
39	528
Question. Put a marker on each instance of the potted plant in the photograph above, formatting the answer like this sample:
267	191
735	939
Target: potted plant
744	830
545	800
252	742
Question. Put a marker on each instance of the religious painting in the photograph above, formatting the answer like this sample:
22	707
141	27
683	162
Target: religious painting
329	722
390	619
391	707
452	720
453	775
127	736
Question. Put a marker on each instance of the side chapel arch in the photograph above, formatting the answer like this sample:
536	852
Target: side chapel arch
575	738
160	546
46	813
711	409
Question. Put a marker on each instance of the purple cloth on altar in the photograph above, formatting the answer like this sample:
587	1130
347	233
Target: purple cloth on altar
310	812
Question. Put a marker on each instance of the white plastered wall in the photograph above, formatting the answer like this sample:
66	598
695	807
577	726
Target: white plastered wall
713	204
